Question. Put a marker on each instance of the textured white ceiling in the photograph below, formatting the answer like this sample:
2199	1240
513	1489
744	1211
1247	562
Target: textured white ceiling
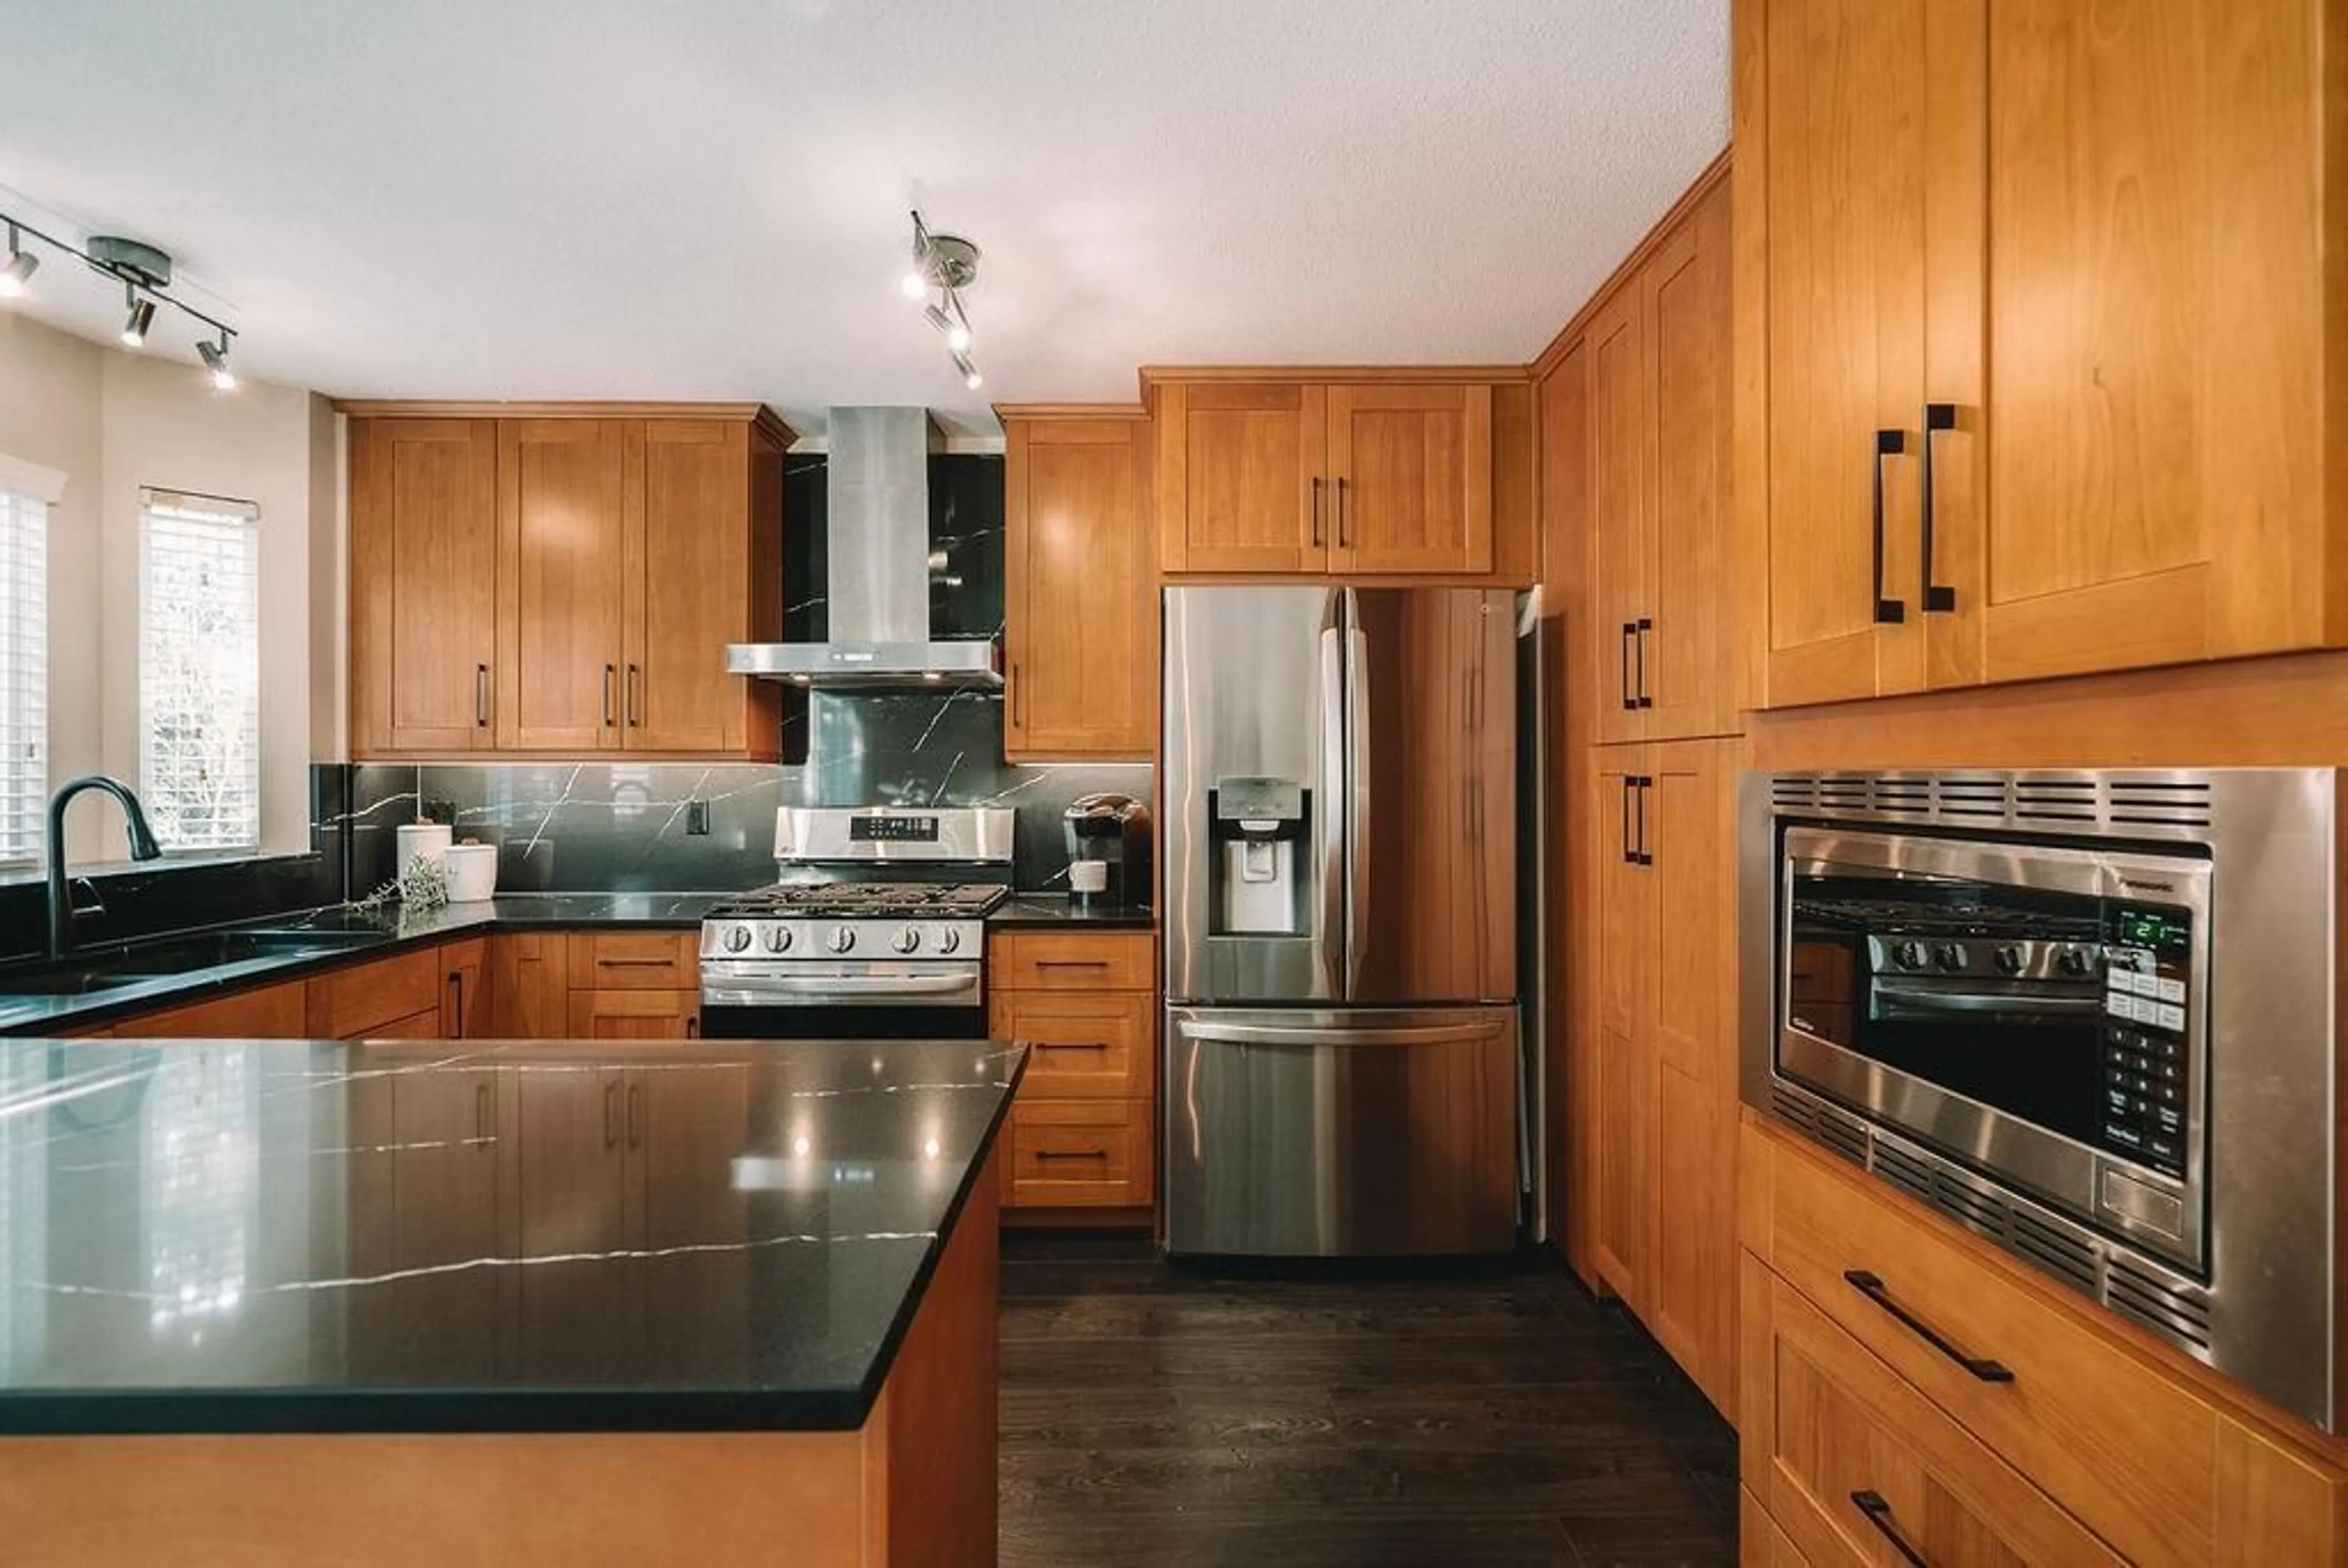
608	198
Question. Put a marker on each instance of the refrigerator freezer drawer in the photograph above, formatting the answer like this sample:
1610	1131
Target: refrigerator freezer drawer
1337	1133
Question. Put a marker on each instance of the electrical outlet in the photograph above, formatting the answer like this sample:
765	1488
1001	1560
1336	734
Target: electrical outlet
441	811
696	819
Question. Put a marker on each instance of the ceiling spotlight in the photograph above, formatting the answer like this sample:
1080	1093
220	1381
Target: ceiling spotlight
914	286
947	264
142	317
970	377
215	358
22	265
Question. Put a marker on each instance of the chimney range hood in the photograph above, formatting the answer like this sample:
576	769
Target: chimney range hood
877	555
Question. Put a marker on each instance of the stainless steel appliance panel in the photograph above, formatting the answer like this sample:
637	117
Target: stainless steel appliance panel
1431	858
1253	723
1339	1133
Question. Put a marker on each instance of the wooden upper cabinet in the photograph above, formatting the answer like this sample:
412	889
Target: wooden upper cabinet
564	583
424	579
1381	476
561	527
1622	450
1411	467
2041	327
1243	483
1080	590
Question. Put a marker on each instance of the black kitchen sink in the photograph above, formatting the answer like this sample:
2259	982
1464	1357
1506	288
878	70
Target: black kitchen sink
110	968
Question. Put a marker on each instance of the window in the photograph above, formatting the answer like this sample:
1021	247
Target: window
200	671
24	673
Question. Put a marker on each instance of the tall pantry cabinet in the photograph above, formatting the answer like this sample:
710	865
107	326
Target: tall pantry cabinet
1635	461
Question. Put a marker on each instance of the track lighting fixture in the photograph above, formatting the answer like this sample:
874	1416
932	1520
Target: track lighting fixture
22	265
215	358
142	317
145	274
945	265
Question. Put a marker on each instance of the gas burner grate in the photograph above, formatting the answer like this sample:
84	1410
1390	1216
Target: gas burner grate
853	901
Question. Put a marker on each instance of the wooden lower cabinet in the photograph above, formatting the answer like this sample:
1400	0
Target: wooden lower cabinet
1100	1045
529	985
270	1012
1082	1133
634	1015
369	998
634	961
1856	1467
464	1010
2103	1424
1090	1154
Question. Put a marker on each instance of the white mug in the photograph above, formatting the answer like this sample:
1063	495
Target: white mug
1088	877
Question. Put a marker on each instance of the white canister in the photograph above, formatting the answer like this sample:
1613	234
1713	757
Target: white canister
423	841
472	872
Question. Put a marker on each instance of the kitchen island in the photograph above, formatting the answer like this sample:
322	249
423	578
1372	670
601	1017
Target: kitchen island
511	1302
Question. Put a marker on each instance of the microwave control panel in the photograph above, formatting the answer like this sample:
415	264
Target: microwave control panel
2148	993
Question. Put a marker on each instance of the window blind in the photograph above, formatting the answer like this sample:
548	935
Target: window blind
24	676
200	671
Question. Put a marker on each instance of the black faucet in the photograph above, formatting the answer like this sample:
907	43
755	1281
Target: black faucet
142	847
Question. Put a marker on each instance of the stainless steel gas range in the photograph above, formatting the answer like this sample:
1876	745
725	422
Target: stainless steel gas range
866	938
2090	1016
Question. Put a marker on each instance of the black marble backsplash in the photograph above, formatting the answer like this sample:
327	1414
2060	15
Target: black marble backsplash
612	825
161	895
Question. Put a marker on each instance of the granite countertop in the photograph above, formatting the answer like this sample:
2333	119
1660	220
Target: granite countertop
316	1237
359	936
1046	910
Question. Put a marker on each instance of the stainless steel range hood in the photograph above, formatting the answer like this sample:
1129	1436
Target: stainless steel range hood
877	496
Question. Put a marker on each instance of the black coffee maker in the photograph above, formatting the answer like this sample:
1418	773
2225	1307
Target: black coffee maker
1114	828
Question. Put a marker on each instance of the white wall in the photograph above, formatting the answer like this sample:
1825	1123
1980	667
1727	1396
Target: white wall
115	421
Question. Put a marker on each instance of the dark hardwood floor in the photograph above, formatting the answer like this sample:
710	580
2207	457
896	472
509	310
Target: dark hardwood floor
1160	1416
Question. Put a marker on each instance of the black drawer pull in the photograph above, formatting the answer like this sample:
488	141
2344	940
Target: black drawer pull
1072	1153
1887	444
1878	1515
1871	1287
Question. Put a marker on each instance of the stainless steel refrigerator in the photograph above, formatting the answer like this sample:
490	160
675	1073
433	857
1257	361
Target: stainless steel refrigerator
1343	1067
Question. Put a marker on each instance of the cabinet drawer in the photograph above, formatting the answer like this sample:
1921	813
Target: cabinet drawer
635	960
634	1015
1073	961
1078	1154
272	1012
357	1001
2148	1464
1096	1046
1854	1464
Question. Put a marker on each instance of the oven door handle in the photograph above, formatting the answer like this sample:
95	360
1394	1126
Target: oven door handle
1899	1000
854	986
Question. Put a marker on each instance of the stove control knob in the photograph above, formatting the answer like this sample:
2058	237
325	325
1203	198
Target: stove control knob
2073	962
2009	960
906	939
949	939
778	938
737	939
1948	955
1909	954
840	939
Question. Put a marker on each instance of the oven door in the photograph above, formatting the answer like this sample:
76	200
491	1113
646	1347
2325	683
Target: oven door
847	1000
2037	1012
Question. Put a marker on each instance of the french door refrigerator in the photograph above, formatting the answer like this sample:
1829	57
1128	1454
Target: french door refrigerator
1339	805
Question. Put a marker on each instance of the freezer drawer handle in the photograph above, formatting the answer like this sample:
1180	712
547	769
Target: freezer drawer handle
1272	1034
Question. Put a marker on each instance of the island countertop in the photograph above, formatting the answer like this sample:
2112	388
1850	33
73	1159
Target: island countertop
320	1236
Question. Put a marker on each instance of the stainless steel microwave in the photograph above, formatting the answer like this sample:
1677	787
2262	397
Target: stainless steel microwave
2087	1015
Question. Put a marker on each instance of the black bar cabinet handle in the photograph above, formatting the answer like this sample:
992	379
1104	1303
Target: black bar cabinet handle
1643	626
1646	783
1630	693
1887	444
636	714
610	676
1871	1287
481	696
1345	532
1878	1515
1938	416
1629	852
1316	511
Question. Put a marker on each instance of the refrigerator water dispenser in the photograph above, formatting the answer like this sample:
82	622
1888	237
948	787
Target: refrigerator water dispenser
1255	827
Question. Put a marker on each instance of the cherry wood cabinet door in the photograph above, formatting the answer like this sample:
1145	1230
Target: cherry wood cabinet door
1830	161
529	985
1622	913
1690	1003
1412	470
464	1006
1622	450
686	583
2155	444
1241	484
1689	664
560	544
1081	596
424	575
636	1015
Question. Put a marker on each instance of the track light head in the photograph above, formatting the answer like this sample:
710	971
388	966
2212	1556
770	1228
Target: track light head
135	325
22	265
970	377
215	358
